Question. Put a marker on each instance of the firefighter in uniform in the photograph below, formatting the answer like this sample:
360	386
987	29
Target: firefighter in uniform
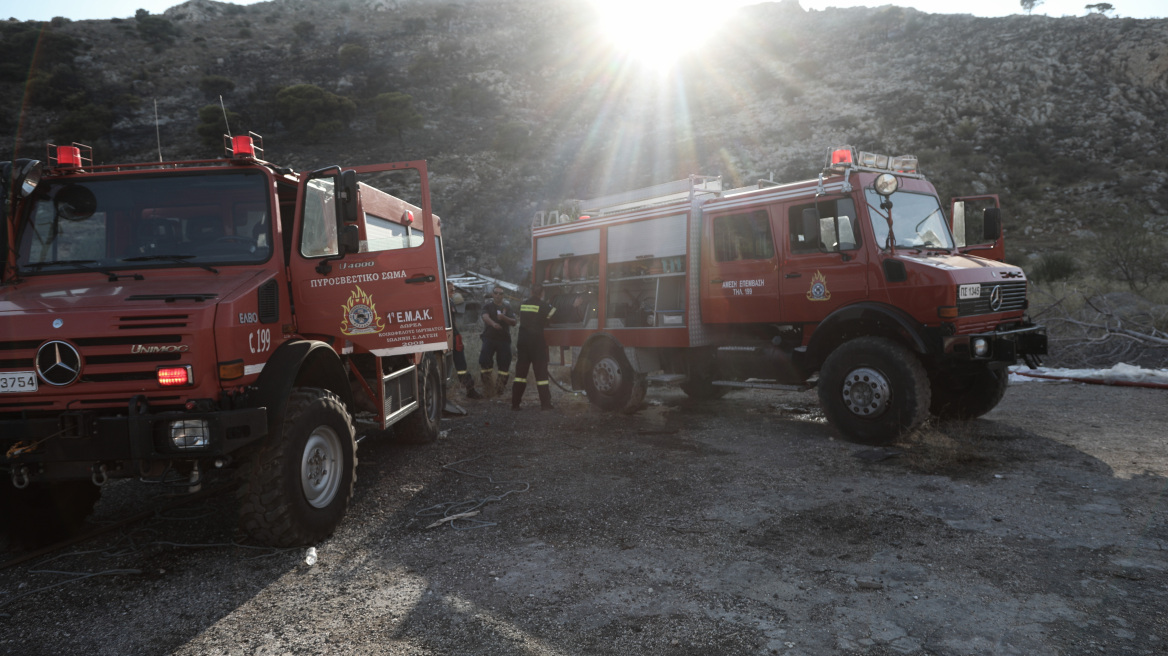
533	317
497	322
459	357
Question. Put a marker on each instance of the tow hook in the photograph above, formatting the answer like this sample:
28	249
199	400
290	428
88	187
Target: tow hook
20	478
99	474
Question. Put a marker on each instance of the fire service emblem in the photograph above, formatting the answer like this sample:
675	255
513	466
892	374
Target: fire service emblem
360	315
818	291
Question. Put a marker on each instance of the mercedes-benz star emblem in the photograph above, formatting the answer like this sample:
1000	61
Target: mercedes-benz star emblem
996	298
58	363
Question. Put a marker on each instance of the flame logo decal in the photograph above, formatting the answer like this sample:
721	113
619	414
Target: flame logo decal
818	291
360	314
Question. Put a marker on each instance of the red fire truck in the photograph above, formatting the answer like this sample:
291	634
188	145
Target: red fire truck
164	321
856	282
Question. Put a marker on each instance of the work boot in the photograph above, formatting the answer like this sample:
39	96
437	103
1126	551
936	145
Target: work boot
502	379
468	382
545	396
517	394
488	382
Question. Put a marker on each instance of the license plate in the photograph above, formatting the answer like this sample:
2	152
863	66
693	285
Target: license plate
18	381
969	291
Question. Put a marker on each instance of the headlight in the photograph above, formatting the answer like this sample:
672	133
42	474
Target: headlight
886	184
981	347
190	433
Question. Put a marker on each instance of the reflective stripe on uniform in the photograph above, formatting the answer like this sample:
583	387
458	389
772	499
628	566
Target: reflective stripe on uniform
529	308
461	372
541	382
521	380
488	371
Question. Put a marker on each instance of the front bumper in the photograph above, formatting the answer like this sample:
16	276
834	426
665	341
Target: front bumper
139	435
1000	346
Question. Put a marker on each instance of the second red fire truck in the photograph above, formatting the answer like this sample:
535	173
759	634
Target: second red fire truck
856	281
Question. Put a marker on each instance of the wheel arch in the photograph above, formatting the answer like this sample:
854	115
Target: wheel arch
861	320
301	363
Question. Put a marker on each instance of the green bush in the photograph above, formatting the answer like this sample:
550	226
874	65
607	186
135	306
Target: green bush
1053	267
352	55
211	127
303	30
311	113
395	113
214	86
156	30
87	124
19	42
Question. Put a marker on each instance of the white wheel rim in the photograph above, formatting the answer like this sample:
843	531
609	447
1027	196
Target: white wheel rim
320	467
866	392
606	375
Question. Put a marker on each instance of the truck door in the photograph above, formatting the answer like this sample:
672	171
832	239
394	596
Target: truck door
976	222
740	272
368	275
824	264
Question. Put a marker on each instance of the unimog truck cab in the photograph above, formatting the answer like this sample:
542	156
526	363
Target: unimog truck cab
170	321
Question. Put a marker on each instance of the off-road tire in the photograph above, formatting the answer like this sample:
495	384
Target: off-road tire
298	486
610	381
969	396
874	390
44	513
421	425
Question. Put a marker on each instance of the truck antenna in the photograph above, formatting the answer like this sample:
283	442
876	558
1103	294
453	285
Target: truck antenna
157	131
225	121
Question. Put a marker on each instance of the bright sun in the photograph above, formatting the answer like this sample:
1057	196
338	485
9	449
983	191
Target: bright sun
659	32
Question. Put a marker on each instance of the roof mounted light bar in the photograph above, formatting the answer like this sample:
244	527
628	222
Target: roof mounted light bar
847	158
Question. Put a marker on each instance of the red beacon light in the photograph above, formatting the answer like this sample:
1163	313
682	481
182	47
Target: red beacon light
68	157
407	217
839	159
242	147
249	146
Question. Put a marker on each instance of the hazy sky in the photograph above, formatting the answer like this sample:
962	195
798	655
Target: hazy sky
87	9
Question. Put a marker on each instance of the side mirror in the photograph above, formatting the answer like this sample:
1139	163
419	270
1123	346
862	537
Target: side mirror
811	226
992	224
348	196
350	239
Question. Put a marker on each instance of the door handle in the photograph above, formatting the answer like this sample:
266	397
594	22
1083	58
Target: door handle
418	279
793	275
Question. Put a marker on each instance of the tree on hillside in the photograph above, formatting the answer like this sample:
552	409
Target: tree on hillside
1100	8
395	113
214	86
1029	5
156	30
311	113
212	127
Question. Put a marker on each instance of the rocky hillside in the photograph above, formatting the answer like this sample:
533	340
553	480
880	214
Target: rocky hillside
520	103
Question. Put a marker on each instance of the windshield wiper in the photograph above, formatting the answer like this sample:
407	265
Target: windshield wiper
83	264
181	259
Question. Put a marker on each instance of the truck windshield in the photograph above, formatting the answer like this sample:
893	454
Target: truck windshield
917	221
190	220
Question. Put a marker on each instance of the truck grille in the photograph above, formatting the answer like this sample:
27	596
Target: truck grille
1013	297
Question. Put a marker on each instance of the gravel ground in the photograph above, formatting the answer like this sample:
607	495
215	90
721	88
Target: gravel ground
738	526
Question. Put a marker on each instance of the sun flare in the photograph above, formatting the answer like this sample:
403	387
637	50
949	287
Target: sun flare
658	32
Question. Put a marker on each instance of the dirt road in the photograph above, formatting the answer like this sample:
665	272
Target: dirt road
738	526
